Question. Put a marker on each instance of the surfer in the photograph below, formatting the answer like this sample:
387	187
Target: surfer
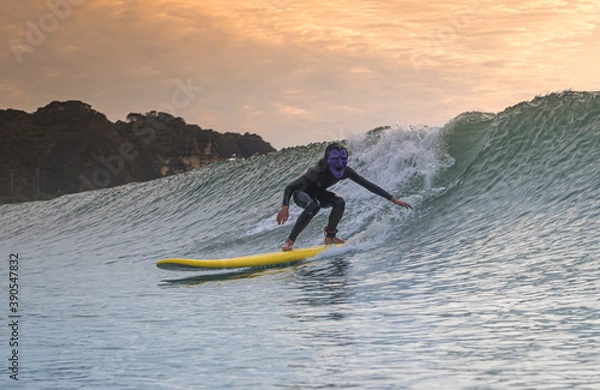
310	192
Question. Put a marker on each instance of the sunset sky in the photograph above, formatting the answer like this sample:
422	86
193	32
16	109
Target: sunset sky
296	72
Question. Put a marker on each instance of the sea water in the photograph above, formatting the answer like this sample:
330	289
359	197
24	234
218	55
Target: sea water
492	282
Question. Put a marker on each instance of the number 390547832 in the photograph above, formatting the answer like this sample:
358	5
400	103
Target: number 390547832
13	267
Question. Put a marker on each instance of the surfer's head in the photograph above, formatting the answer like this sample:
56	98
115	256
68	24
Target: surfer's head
337	159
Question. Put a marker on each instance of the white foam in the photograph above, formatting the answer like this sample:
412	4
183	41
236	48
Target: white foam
402	160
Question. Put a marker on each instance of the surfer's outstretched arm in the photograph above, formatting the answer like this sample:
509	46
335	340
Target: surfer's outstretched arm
352	175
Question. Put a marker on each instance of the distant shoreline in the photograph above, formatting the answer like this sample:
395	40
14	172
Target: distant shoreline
68	147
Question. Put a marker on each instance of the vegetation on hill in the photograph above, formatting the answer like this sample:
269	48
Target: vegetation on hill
68	147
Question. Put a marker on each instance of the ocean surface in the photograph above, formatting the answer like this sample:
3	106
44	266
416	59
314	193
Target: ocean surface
492	282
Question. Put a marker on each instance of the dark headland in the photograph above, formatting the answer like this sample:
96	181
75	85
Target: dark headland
68	147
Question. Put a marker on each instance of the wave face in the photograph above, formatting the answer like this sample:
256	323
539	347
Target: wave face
500	252
524	182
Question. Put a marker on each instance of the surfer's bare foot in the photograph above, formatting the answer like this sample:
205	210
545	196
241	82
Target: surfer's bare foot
333	240
288	246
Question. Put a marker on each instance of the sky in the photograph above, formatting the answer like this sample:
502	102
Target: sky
296	72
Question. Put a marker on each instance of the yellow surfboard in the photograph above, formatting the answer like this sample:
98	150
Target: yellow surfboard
260	260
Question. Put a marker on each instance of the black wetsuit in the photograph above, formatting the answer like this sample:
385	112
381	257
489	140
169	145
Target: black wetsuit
310	193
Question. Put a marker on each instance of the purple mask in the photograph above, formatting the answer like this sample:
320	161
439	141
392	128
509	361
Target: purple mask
337	161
